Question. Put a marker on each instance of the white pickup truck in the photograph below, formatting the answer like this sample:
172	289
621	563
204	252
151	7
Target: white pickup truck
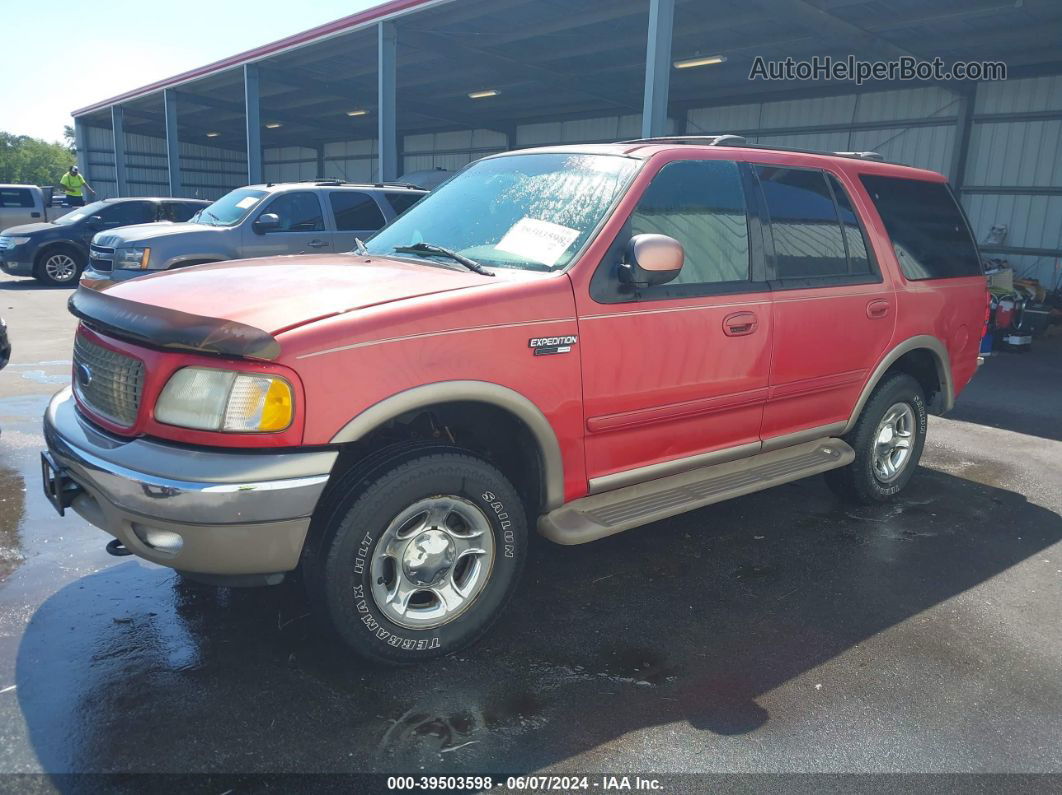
28	204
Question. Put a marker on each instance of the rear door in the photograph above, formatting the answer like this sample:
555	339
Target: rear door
676	375
944	293
356	215
301	229
833	312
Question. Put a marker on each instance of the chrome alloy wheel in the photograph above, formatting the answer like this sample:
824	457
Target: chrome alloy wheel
60	267
432	561
893	441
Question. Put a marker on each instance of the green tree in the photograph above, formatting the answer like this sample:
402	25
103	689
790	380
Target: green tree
32	161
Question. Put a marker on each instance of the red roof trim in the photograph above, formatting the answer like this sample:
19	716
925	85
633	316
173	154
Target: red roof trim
307	36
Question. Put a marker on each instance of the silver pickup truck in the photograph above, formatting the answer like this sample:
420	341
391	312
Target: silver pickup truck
255	221
28	204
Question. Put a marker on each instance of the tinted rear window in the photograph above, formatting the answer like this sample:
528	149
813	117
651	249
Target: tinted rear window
15	197
355	211
403	201
928	231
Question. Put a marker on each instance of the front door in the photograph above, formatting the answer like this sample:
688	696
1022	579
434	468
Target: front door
833	312
301	229
675	373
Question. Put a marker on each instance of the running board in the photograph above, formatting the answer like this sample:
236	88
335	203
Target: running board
600	515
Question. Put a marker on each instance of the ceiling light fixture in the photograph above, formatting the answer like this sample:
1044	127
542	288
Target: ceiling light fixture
487	92
707	60
212	134
357	112
272	125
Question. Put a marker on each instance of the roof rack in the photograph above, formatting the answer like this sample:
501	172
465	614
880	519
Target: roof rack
738	140
700	140
324	181
862	155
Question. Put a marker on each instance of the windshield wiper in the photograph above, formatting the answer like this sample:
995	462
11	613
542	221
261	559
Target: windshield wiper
212	216
428	248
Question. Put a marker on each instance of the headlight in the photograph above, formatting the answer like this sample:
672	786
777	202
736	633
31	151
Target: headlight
222	400
11	242
131	258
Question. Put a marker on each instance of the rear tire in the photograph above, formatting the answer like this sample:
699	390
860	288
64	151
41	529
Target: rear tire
421	559
59	266
888	439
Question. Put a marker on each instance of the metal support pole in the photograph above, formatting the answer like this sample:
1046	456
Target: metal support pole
657	67
963	125
387	136
118	128
173	147
320	162
81	145
254	124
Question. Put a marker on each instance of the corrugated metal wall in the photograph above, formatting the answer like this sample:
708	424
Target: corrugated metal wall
1014	170
207	172
100	162
878	122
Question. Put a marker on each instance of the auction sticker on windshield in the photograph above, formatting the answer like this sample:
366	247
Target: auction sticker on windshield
538	241
247	201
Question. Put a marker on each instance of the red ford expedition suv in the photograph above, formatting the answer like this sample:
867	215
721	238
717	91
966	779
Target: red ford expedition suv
579	339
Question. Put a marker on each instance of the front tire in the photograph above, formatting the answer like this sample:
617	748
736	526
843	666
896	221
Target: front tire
422	559
59	266
888	439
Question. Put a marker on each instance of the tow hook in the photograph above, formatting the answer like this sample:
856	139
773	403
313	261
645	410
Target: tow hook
117	548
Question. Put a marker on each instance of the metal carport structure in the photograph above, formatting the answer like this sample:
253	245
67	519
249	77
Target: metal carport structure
415	84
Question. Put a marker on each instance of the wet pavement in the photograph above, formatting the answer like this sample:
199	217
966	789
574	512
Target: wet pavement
778	632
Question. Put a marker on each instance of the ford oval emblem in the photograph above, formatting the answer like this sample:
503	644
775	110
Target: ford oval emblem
84	374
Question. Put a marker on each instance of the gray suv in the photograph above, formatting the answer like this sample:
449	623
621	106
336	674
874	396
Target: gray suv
256	221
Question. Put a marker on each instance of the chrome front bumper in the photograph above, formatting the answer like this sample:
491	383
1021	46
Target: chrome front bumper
203	511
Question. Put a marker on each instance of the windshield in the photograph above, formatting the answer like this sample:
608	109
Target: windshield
519	211
81	212
231	208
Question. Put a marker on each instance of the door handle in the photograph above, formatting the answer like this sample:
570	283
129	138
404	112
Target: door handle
739	324
317	243
877	309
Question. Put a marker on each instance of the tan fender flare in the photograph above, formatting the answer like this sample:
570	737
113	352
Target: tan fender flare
921	342
475	392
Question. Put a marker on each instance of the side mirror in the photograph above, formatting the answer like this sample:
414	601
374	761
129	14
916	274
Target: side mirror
651	260
95	221
267	222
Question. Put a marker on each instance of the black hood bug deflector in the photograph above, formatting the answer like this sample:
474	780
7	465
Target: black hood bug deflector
169	328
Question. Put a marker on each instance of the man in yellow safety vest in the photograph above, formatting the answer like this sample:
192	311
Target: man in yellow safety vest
72	182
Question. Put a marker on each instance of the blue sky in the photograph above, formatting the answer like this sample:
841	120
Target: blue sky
59	55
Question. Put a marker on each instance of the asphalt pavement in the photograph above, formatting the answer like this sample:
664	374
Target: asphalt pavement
781	632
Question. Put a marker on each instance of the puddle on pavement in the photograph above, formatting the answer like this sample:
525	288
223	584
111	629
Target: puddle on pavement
41	377
12	511
24	407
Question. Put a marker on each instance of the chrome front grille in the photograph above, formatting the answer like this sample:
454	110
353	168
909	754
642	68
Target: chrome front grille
102	257
107	382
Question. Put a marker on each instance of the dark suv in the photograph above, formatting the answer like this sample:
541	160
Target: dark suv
56	252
